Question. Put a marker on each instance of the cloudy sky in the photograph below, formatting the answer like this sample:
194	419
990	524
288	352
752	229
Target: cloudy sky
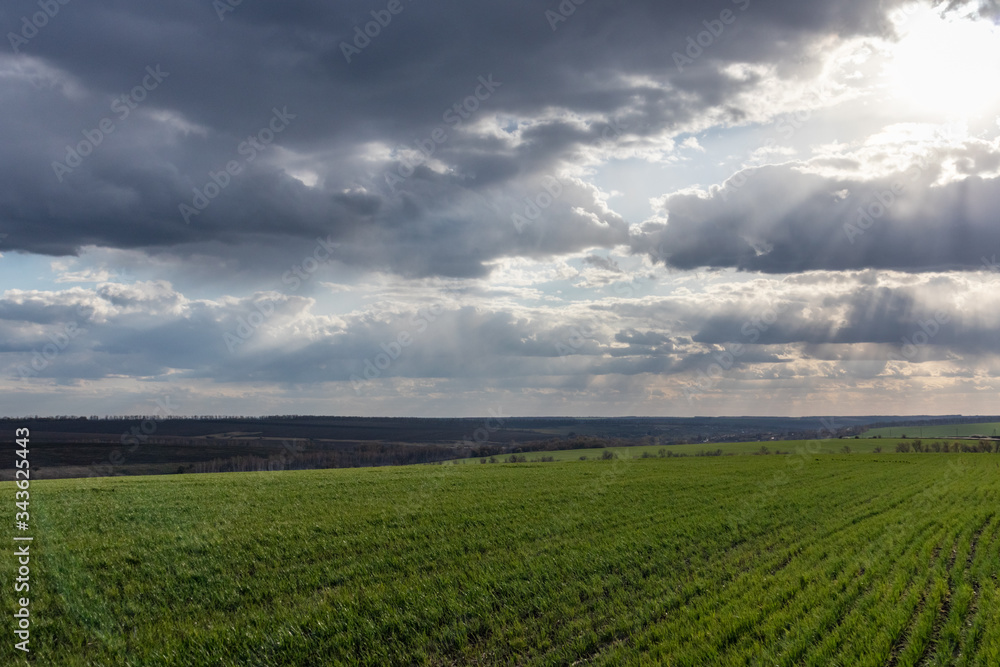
593	207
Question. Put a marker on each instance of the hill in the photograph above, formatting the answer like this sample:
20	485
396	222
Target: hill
860	560
989	429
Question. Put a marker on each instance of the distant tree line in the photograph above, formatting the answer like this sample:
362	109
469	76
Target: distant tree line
359	456
364	455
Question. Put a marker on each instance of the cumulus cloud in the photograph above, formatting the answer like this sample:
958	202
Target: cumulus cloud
786	219
278	338
234	208
351	124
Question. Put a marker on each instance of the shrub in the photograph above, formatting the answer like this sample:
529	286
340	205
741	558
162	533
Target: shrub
877	450
903	447
845	449
663	452
608	455
583	458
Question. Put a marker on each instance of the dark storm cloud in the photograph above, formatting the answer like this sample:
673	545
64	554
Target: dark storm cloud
784	221
866	314
224	80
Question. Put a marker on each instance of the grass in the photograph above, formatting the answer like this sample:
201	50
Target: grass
830	446
937	431
780	560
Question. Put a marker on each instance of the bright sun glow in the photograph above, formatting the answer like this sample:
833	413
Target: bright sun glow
945	65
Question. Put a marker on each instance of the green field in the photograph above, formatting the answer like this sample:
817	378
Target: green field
939	431
745	560
829	446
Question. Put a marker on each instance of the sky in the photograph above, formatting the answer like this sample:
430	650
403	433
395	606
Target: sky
579	208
